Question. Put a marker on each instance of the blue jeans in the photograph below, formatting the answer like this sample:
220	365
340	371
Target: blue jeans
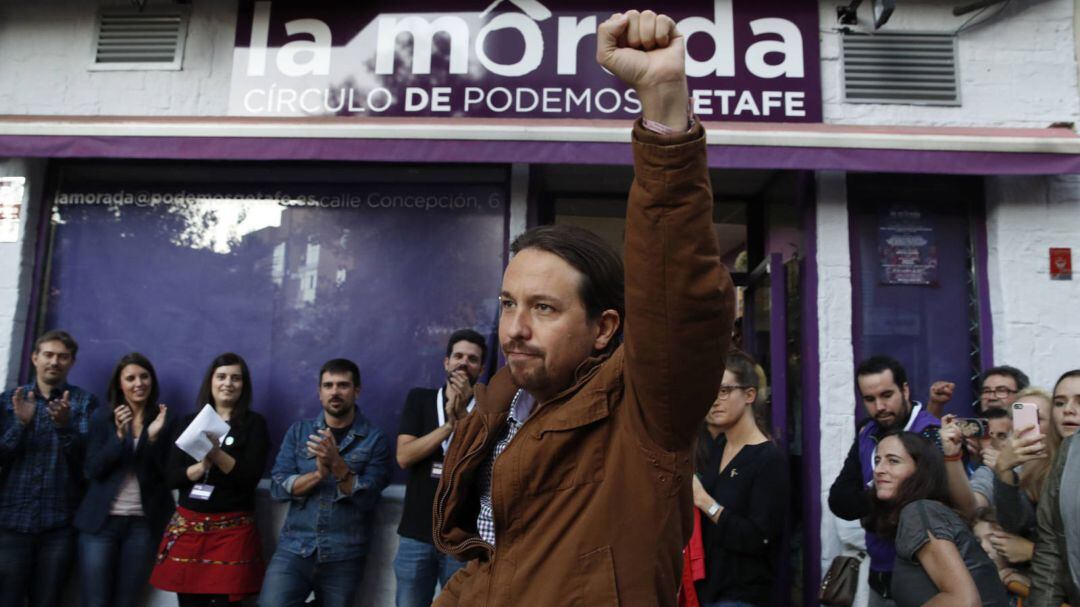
290	578
35	566
417	567
115	563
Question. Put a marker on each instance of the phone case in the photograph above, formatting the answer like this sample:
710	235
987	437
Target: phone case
1026	414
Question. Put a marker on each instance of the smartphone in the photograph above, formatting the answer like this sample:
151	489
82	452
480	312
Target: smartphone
1024	415
972	427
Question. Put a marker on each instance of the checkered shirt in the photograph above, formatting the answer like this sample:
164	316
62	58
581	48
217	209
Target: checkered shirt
40	464
520	409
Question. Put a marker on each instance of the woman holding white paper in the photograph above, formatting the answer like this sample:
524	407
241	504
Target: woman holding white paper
127	503
211	554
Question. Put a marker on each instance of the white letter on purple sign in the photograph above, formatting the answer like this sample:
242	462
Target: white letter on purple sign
422	32
319	48
789	45
571	32
530	33
260	37
722	31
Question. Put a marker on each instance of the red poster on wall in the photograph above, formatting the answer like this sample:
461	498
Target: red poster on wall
1061	264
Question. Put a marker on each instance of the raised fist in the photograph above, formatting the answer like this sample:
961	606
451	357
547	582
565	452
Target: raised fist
645	51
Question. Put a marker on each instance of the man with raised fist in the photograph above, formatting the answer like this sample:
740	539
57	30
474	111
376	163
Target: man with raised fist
570	481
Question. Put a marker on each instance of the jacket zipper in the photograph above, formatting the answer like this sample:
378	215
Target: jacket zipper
440	506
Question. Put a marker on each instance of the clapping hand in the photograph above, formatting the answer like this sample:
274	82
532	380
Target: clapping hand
458	396
159	422
60	410
325	450
24	405
122	416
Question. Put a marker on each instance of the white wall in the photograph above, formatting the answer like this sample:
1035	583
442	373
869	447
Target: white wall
1016	71
16	268
836	375
1036	320
45	48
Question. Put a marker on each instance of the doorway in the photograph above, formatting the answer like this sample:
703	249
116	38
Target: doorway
756	217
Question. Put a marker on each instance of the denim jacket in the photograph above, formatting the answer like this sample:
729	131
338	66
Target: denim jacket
327	522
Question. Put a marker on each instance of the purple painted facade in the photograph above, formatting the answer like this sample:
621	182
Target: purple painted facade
538	152
287	275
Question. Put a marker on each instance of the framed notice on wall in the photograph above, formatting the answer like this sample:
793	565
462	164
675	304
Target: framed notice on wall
11	196
906	247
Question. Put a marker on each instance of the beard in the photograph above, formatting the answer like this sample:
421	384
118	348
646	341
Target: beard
898	420
533	381
529	375
340	411
472	380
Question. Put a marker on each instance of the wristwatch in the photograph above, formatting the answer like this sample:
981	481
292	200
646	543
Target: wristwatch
711	512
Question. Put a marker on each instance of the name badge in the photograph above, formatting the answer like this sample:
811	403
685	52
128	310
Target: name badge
436	469
201	492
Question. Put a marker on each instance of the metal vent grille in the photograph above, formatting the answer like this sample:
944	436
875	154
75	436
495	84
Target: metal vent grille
900	68
140	40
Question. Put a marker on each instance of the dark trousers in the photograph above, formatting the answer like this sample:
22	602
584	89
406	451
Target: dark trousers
115	562
35	566
205	600
290	578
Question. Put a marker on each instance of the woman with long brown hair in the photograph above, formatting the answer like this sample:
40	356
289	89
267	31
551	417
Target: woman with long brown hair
938	558
126	503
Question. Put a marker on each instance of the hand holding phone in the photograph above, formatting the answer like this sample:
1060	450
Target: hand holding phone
1026	419
972	427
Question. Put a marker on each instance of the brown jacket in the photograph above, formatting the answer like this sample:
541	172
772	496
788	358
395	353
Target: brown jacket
592	498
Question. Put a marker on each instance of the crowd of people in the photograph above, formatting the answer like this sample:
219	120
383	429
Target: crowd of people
622	426
95	485
965	510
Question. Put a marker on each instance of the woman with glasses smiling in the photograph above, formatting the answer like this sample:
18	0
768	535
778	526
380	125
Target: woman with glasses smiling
742	491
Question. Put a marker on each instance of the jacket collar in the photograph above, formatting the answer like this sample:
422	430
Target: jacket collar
359	429
496	397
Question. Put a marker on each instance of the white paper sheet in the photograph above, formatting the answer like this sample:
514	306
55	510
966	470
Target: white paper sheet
193	439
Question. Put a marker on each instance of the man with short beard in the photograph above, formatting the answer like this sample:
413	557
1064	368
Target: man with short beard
885	393
43	430
331	471
427	425
569	484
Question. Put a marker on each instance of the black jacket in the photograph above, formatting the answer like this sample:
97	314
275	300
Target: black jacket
108	460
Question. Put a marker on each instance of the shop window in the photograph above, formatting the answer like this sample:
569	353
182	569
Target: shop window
277	270
184	262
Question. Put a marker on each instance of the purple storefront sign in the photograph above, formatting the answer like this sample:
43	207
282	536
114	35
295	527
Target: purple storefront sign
746	60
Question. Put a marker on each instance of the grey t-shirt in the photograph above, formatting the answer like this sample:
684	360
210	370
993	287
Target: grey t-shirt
982	481
911	585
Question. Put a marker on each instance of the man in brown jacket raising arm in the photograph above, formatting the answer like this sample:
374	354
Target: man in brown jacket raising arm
569	484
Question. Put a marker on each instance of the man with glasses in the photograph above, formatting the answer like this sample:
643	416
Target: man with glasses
999	387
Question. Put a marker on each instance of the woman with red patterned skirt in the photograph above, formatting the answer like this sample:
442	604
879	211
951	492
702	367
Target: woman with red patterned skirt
211	555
